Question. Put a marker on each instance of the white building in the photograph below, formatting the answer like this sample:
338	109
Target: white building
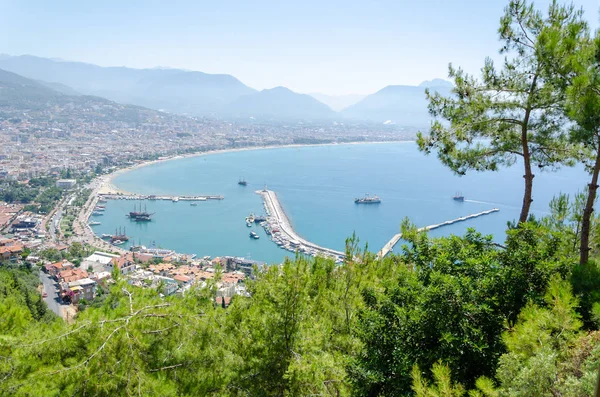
66	183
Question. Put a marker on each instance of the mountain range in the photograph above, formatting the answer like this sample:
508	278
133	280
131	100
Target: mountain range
220	95
20	95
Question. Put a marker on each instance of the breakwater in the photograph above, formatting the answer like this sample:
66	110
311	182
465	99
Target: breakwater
282	233
159	197
280	228
394	240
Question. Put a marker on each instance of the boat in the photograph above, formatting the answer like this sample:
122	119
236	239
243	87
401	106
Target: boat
175	199
254	235
458	197
94	223
143	215
367	200
248	224
193	204
105	236
242	182
119	236
118	242
101	200
97	213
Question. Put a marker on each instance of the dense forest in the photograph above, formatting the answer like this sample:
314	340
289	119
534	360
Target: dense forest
444	317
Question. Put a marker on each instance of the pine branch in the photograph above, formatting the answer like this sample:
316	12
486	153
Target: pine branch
168	367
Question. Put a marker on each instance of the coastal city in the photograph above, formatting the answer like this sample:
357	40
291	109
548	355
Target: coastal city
58	155
57	161
83	134
300	198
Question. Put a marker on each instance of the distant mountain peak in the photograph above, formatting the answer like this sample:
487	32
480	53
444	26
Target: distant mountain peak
279	88
436	83
280	103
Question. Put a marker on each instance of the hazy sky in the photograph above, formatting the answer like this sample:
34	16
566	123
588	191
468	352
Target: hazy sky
333	47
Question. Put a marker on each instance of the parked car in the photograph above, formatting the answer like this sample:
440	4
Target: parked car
44	294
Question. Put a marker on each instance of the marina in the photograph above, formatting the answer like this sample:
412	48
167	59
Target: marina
283	234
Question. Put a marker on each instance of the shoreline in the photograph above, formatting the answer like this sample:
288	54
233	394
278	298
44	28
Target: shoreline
108	187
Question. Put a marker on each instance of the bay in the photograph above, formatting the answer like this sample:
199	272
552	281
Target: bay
317	186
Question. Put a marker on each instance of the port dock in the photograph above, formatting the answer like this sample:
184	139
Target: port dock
394	240
159	197
280	228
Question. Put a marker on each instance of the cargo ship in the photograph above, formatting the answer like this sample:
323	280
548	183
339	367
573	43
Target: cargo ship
367	200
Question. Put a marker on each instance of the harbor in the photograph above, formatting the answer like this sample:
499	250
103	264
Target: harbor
280	228
397	237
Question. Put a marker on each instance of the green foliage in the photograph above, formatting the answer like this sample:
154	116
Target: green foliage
20	302
442	387
538	361
311	327
51	254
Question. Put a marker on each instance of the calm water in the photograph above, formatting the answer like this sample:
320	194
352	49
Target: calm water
317	186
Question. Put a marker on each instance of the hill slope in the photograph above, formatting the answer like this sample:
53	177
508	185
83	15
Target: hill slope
174	90
399	104
19	95
279	103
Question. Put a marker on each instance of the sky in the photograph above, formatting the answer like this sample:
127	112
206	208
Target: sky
327	46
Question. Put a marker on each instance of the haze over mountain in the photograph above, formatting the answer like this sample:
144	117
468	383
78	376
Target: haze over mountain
280	102
19	95
17	90
398	104
221	95
173	90
337	102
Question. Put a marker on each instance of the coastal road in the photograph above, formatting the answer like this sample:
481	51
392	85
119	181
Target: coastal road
55	223
52	300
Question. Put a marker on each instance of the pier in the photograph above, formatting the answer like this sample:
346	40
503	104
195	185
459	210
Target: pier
280	228
394	240
159	197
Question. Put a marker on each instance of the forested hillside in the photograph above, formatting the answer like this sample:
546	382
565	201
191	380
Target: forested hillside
444	317
521	320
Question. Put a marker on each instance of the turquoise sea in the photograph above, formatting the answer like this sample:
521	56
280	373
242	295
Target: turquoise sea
317	186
